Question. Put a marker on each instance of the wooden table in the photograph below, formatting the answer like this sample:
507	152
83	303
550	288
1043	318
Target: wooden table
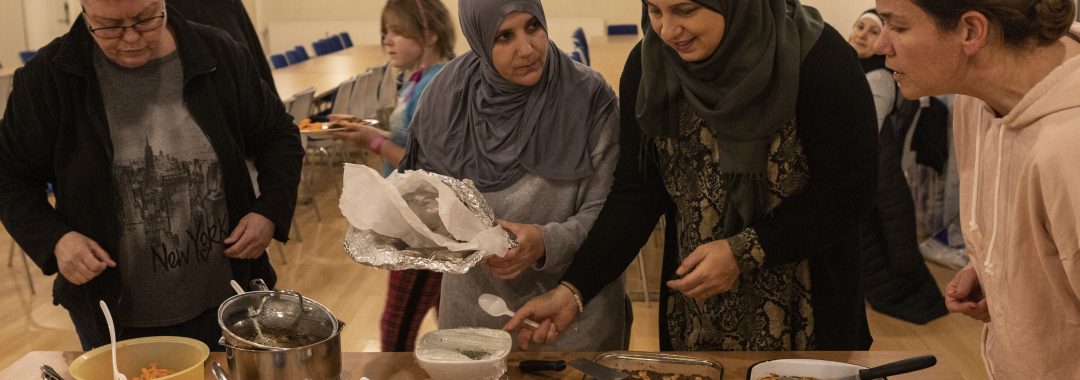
402	366
327	71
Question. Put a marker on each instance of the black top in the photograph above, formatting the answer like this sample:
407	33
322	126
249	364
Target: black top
55	130
837	127
230	16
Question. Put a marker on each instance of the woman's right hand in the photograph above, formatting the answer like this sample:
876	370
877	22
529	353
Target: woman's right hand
80	259
964	295
556	309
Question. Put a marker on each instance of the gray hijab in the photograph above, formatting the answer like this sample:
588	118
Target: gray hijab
746	91
473	123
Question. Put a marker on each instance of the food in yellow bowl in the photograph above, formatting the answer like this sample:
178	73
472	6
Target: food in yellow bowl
183	356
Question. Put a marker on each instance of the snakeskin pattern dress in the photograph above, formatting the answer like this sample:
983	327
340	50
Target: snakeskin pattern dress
768	308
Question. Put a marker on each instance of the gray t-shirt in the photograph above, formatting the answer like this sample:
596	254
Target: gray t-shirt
170	196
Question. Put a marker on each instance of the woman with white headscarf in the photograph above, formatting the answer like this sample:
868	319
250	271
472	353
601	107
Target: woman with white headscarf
538	135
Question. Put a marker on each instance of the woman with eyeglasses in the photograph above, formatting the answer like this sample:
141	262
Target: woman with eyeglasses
143	121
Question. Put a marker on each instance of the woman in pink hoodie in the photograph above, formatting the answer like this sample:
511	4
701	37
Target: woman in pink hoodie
1016	65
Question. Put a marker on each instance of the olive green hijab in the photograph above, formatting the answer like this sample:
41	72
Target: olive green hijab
746	91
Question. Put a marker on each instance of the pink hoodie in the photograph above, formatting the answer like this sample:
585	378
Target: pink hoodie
1020	203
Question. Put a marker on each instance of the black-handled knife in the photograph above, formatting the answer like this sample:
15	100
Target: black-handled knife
530	366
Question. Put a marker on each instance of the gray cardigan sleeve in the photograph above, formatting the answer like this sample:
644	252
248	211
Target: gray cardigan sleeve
562	239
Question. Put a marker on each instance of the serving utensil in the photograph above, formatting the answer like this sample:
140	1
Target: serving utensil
895	368
48	373
112	340
496	306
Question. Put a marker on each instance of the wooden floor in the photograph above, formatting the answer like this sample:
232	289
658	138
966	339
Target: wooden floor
319	268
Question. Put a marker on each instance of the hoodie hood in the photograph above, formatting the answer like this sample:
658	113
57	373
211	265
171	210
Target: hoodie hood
1055	93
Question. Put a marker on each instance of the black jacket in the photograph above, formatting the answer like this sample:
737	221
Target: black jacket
230	16
55	130
895	278
835	122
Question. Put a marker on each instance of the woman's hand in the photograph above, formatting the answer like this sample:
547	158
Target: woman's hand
357	134
712	270
555	310
530	248
964	295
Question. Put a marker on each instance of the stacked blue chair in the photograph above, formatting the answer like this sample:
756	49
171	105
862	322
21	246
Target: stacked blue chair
622	30
302	51
581	46
279	61
293	57
322	47
336	44
345	39
27	55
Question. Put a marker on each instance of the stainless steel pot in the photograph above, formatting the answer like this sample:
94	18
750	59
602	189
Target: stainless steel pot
271	320
318	361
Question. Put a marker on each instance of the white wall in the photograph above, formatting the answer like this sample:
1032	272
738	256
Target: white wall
840	13
12	33
50	19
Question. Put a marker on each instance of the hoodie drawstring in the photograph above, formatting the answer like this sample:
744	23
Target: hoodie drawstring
989	264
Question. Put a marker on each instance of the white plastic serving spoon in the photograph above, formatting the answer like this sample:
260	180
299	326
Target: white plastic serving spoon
236	287
112	338
496	306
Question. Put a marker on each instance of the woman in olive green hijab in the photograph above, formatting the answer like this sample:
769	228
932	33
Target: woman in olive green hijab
750	125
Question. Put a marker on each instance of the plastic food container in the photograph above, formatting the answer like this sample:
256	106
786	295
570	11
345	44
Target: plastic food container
467	353
819	369
183	356
663	364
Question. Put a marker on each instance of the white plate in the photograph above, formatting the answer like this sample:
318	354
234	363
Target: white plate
822	369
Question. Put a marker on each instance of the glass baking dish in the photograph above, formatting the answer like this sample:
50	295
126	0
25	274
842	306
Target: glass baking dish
662	364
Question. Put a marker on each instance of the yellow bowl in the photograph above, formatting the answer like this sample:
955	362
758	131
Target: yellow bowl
183	356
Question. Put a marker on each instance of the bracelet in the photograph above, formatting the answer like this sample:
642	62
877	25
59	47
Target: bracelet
376	144
577	295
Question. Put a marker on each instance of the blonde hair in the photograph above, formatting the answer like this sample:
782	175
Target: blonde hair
414	17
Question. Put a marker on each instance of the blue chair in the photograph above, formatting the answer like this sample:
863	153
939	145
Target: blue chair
27	55
303	52
345	39
581	46
279	61
293	57
336	44
576	56
622	30
321	47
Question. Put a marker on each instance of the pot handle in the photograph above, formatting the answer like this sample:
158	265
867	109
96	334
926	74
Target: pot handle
258	284
219	373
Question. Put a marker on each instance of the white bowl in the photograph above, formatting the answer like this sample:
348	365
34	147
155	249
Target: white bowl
468	353
822	369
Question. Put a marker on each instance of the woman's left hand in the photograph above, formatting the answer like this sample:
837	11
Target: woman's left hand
530	248
712	270
357	134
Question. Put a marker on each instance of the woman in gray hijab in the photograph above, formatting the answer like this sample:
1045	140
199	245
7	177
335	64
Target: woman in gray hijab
538	135
749	124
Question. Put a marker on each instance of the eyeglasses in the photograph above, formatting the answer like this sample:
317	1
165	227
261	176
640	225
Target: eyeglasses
141	26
